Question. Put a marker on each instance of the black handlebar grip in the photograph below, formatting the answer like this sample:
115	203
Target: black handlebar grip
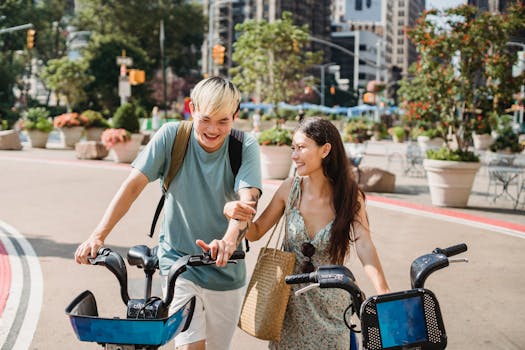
237	255
454	250
300	278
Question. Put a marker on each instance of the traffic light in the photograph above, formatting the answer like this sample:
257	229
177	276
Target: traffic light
31	34
218	54
332	90
136	76
369	98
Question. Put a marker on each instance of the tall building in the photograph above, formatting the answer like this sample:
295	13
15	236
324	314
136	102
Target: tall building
493	5
401	14
224	15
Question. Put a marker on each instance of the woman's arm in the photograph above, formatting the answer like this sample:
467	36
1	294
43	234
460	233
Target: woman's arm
271	214
367	252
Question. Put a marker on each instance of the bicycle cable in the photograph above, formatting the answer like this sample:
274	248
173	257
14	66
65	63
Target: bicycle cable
350	326
148	302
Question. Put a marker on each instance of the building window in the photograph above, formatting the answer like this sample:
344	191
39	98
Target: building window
359	5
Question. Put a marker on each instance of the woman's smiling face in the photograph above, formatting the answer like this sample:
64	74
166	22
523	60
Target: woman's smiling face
307	154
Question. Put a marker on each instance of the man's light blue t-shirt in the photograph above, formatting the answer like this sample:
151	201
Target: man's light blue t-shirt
195	201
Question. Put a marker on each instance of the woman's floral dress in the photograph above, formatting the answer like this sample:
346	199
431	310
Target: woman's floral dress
313	320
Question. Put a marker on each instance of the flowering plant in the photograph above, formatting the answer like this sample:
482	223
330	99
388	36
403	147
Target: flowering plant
110	137
68	120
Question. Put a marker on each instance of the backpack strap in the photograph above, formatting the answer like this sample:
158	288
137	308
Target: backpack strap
235	150
178	152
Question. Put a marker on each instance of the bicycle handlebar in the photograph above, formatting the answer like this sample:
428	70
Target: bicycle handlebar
451	251
427	264
301	278
139	254
341	277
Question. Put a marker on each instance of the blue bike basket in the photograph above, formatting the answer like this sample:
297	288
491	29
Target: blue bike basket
88	327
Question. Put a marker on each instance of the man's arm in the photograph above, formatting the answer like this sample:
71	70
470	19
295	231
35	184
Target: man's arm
222	249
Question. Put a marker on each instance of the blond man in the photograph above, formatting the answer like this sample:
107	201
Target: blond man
193	211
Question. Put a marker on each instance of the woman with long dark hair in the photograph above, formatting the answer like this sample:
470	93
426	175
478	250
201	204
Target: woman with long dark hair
325	215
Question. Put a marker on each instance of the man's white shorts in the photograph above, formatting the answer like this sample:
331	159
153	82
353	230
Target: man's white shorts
215	317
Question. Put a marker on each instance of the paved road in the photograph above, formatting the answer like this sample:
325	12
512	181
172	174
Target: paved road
54	201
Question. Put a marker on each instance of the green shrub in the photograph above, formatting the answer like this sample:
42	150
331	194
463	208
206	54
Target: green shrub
458	155
127	117
37	119
275	136
95	119
8	118
506	140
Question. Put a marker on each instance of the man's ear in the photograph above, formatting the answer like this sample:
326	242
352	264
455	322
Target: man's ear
236	114
192	107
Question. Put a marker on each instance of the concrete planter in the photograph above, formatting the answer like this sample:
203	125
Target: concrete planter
71	135
450	182
94	134
482	142
126	152
276	161
37	138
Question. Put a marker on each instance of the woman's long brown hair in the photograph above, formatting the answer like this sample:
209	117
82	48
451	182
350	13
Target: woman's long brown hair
336	167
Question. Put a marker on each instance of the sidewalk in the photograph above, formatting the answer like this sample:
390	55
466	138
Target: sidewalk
387	155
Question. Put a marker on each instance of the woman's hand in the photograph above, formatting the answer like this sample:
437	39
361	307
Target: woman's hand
239	210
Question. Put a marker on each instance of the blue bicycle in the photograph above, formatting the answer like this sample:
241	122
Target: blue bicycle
148	324
405	320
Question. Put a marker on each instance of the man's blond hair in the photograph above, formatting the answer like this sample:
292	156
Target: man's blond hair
214	95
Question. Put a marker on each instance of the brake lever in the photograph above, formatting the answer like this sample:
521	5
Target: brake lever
102	253
307	288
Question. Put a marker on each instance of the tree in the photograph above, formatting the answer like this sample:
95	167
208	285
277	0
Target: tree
464	68
67	78
138	24
15	58
101	56
272	58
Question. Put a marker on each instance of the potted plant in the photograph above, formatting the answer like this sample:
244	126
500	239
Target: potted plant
458	73
481	132
37	126
71	126
356	131
430	137
276	152
9	138
506	142
124	149
96	124
398	133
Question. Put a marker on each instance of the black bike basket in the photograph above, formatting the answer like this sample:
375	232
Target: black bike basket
403	321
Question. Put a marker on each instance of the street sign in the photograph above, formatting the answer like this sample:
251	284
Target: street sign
124	88
124	60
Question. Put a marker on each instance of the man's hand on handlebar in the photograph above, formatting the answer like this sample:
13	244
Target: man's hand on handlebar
88	249
220	250
240	210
